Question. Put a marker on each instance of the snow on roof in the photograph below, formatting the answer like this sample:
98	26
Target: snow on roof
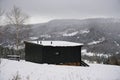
56	43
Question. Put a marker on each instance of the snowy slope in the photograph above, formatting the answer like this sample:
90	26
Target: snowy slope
70	34
33	71
84	52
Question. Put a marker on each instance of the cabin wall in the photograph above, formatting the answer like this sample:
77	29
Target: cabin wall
70	55
33	52
59	55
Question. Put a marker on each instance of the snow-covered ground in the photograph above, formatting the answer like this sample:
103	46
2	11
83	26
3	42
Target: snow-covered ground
96	42
84	52
76	32
33	71
70	34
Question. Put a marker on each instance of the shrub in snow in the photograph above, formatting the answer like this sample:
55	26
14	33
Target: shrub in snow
16	77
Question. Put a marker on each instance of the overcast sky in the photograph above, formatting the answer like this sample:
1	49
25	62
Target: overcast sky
45	10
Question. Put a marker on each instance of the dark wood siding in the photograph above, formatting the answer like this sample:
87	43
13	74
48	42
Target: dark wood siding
51	54
58	55
33	52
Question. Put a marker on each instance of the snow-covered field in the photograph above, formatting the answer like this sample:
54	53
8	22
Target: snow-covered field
33	71
84	52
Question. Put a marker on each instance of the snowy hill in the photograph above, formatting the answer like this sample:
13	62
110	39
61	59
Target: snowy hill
32	71
100	34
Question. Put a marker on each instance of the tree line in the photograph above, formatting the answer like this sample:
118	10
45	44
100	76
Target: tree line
113	59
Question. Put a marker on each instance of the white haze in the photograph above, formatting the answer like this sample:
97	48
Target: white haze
45	10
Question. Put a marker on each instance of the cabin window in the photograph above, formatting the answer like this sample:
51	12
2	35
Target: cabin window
57	53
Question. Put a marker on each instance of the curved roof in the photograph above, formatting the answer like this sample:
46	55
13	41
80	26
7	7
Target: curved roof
56	43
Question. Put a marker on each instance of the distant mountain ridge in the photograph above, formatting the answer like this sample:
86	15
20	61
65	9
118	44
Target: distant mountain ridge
83	31
99	35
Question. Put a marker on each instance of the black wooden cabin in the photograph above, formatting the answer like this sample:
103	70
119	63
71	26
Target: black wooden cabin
56	52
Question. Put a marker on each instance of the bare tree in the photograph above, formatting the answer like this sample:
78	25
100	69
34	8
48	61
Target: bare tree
17	19
1	14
